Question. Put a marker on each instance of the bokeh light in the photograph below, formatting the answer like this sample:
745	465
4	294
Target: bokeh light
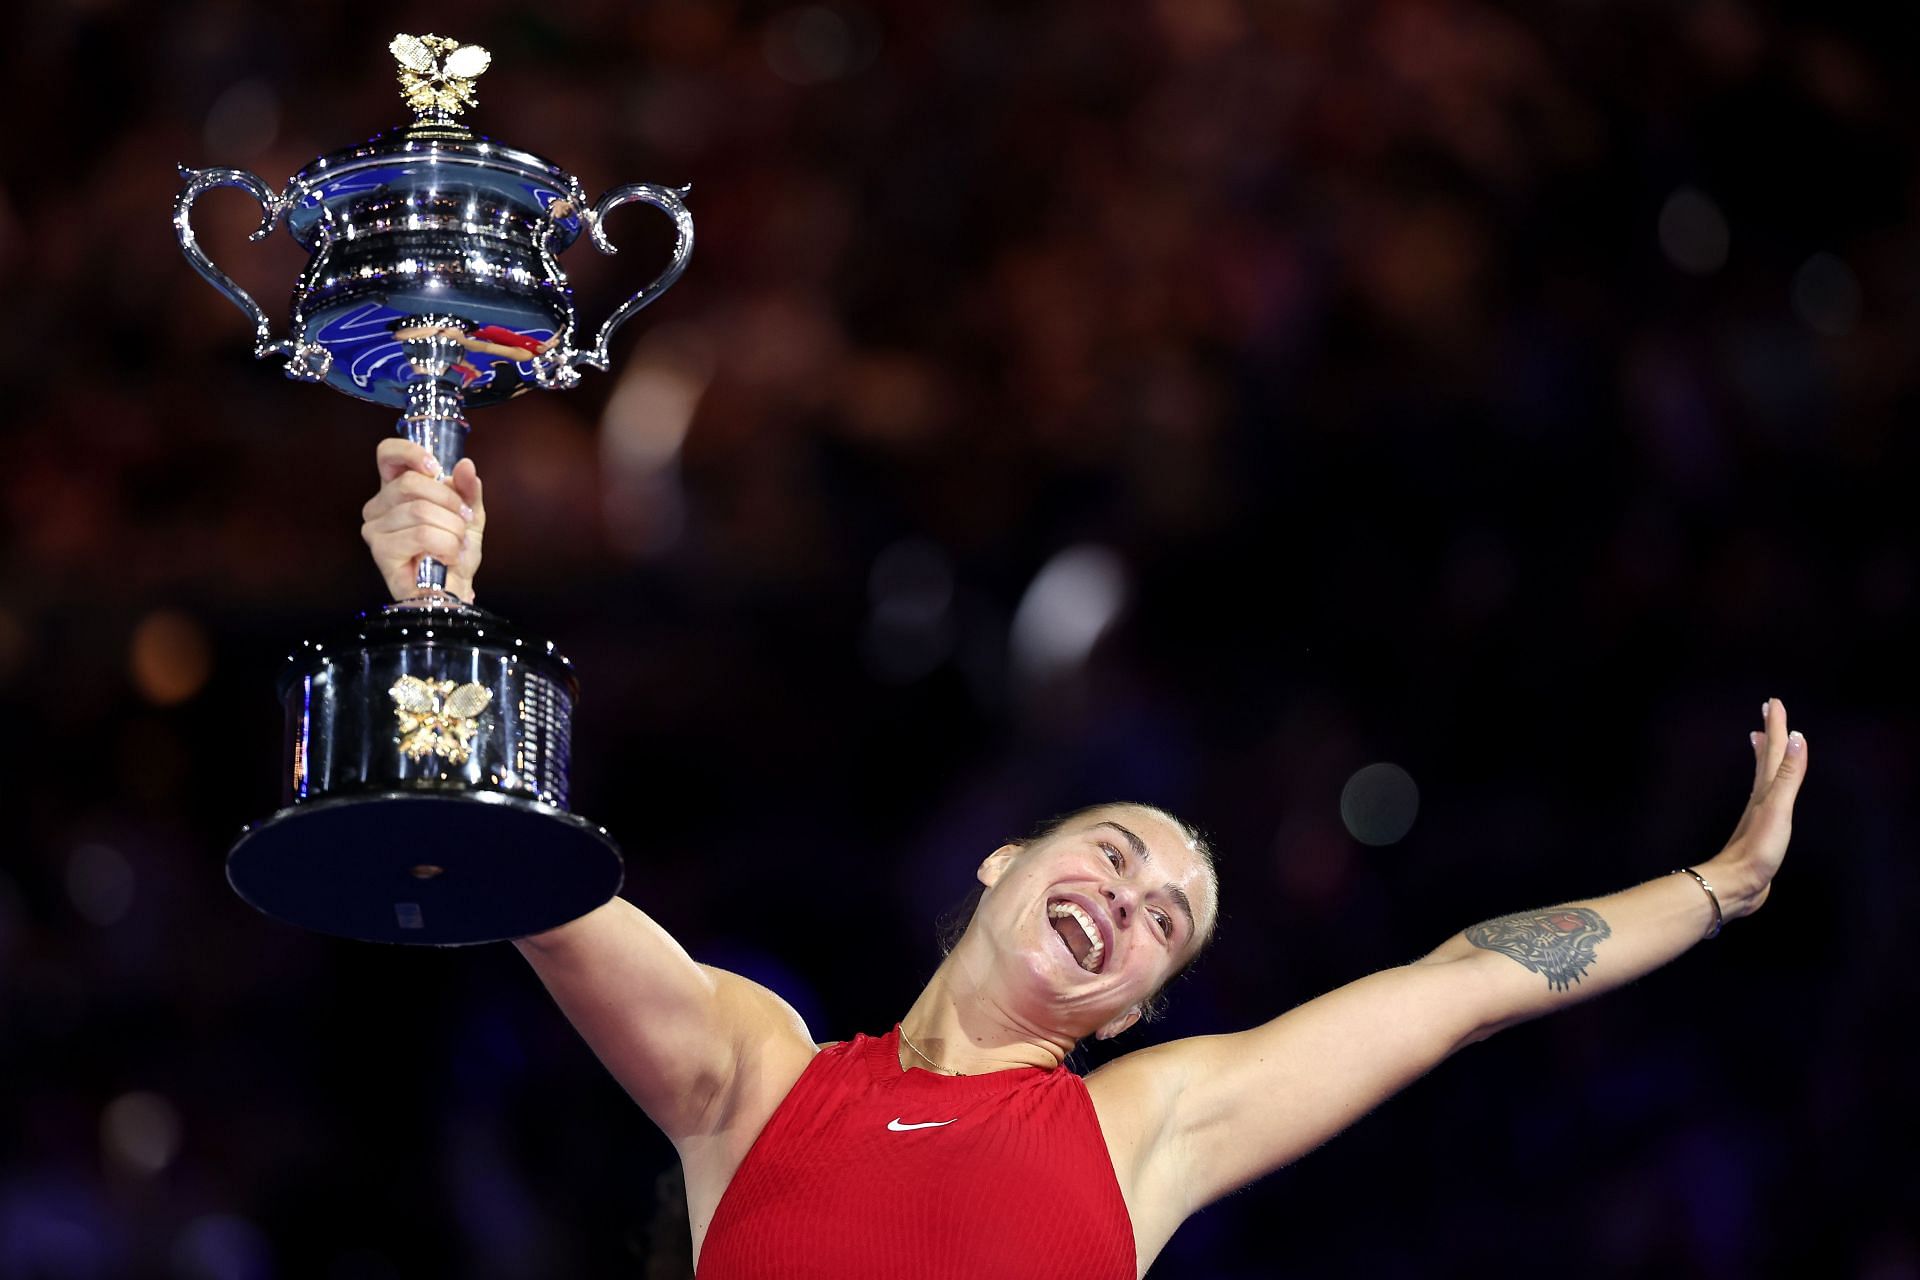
641	433
1826	294
909	629
100	884
140	1132
1693	232
169	657
1379	803
812	44
243	121
222	1246
1072	601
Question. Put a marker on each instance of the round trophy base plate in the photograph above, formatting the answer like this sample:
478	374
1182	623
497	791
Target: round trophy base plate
428	870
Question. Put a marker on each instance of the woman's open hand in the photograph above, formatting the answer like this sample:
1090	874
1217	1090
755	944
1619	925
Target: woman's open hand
417	514
1759	843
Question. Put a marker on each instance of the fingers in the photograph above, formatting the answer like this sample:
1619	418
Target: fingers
412	486
397	455
413	528
408	471
418	512
466	483
1780	756
401	550
1773	719
1793	770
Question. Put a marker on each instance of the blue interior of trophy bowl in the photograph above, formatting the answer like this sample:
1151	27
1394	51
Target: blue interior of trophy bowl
370	363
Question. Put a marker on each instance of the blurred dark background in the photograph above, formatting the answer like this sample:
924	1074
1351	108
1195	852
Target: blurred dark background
1196	401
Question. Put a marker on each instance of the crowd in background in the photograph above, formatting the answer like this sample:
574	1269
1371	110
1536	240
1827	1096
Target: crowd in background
1406	438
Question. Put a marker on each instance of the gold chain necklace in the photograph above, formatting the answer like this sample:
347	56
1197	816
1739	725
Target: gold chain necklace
921	1054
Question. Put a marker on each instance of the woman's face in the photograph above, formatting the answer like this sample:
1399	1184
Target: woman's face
1085	925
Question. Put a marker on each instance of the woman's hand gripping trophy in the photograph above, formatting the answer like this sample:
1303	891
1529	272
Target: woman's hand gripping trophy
418	513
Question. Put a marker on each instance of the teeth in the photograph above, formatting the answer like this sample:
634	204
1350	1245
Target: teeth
1063	910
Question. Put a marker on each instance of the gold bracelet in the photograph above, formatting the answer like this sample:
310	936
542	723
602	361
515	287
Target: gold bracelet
1712	897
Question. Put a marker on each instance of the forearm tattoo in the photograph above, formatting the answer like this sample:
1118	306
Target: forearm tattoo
1558	943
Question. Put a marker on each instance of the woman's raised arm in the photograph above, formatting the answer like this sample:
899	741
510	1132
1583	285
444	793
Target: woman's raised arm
707	1054
1215	1112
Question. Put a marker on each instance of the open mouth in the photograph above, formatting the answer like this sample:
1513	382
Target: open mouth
1078	931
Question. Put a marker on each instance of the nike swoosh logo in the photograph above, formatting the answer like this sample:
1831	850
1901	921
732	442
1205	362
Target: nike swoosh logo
895	1125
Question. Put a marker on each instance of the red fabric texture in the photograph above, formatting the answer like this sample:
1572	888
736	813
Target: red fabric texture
1009	1177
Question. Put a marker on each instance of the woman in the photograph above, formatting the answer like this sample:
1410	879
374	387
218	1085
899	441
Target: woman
957	1144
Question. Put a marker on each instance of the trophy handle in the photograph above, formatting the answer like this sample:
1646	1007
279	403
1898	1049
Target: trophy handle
307	361
669	201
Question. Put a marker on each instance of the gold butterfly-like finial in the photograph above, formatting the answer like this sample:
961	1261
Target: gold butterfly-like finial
437	73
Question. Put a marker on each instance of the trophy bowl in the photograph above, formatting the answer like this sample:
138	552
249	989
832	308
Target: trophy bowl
425	782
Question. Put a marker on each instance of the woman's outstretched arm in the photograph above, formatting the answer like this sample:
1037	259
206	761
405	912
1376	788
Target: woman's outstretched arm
1535	962
706	1053
1220	1111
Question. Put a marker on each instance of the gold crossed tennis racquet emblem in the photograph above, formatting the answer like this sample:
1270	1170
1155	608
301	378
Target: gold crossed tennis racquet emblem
438	717
437	72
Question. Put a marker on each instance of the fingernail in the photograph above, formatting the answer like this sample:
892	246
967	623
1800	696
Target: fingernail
1766	707
1753	739
433	465
466	513
1795	743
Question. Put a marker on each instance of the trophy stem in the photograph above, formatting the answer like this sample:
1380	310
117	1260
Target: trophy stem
435	418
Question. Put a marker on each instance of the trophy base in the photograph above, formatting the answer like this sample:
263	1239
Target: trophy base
425	869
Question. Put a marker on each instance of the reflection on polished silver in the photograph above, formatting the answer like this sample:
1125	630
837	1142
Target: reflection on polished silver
431	218
434	419
667	201
432	736
340	707
307	361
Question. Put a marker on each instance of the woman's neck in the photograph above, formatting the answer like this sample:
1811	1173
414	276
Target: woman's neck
956	1027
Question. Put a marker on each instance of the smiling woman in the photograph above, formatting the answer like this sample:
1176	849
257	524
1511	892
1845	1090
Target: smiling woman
953	924
957	1143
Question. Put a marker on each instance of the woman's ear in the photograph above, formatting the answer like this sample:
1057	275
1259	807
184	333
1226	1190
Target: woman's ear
996	864
1119	1024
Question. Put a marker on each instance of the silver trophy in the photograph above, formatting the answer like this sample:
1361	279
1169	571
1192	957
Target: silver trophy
425	796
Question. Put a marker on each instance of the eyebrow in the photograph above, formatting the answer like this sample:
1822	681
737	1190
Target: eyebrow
1145	855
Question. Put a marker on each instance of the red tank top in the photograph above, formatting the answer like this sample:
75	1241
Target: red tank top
868	1170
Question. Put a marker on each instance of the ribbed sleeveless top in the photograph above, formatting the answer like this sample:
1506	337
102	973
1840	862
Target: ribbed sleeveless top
865	1170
